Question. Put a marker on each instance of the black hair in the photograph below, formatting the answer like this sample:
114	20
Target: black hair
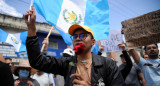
84	29
146	45
91	35
8	59
66	55
121	55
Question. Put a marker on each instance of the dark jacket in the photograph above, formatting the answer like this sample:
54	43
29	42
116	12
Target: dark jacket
6	77
103	71
126	70
34	81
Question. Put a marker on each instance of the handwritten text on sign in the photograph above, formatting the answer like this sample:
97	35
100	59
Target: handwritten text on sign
142	30
111	44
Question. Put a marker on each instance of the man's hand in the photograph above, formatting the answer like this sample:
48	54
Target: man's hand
122	46
101	48
31	22
79	81
46	42
30	83
16	83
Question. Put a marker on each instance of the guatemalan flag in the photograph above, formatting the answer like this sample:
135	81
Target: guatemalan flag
18	40
63	13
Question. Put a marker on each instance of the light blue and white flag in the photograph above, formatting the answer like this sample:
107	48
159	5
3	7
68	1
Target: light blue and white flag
63	13
18	40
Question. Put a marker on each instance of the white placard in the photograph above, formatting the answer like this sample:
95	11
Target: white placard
111	44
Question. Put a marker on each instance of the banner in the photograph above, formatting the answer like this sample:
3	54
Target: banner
142	30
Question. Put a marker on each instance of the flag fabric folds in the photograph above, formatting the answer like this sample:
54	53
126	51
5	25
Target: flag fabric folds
18	40
63	13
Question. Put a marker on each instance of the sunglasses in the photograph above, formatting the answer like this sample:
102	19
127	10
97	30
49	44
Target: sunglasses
81	36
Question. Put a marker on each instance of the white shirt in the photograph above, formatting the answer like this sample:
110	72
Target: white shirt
44	80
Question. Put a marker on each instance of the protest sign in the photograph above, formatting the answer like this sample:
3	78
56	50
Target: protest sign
142	30
112	43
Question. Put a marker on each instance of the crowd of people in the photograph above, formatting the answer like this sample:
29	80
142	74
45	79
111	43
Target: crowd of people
79	66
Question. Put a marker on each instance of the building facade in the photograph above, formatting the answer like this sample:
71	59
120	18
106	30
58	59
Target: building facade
13	25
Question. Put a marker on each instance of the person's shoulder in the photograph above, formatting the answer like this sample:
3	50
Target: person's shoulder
142	61
103	60
121	65
3	65
108	61
67	58
153	59
32	37
32	80
99	56
134	64
46	74
158	59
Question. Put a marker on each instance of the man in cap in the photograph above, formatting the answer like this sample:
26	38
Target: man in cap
85	69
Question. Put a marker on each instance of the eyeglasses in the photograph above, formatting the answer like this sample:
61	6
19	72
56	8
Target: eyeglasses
154	47
81	36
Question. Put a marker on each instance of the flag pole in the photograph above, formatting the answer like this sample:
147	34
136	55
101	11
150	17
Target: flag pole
30	8
47	38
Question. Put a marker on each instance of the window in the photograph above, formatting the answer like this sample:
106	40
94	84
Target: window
53	44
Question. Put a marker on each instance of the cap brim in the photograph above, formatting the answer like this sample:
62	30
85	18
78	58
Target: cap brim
73	28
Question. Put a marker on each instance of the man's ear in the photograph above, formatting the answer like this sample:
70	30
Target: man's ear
145	52
93	41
